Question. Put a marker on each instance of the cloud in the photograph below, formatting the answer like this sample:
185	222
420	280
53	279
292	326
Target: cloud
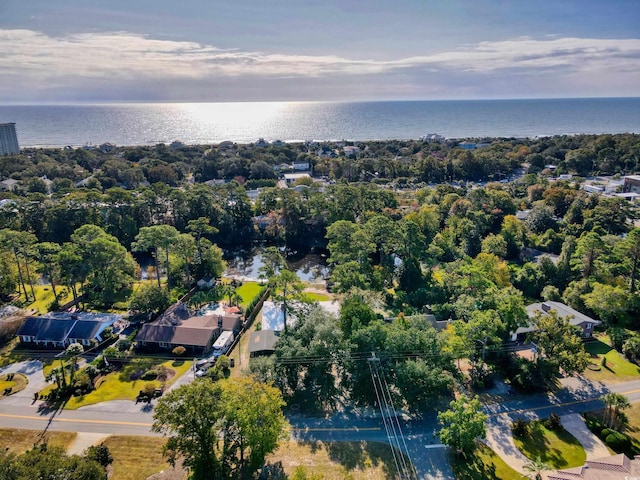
46	62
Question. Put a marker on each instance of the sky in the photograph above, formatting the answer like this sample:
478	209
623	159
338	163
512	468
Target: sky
69	51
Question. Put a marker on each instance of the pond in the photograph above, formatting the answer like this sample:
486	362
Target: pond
309	266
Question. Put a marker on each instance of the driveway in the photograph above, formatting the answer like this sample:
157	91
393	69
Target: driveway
32	369
593	446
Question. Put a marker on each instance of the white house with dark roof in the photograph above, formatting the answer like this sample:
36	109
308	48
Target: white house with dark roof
576	318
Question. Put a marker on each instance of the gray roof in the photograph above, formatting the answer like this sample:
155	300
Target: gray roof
262	341
563	311
60	326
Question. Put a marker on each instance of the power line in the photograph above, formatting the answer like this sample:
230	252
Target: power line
390	421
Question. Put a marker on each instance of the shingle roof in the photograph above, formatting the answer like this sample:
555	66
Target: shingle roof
177	335
262	341
85	329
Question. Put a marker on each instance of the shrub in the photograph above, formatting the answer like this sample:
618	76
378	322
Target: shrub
123	345
520	427
100	453
605	432
553	422
618	441
179	350
92	371
151	374
603	362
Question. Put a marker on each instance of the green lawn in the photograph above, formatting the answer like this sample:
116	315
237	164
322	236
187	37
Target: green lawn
559	448
616	369
317	297
118	385
18	383
484	463
44	297
248	291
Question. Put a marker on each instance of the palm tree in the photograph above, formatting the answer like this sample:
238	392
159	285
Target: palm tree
536	468
614	403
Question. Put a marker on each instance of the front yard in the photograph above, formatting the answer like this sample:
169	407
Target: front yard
483	464
126	382
558	448
615	368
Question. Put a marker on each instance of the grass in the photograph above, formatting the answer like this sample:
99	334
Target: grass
44	297
317	297
616	369
18	383
118	386
337	460
559	448
632	428
19	441
483	464
10	354
136	458
248	291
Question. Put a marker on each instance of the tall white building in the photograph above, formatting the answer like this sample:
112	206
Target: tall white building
8	139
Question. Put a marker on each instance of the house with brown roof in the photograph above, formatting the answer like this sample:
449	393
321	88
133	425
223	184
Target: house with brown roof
615	467
262	343
179	326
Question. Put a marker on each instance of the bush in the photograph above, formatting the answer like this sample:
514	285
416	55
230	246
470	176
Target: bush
553	422
151	374
179	350
123	345
618	441
605	432
520	427
100	453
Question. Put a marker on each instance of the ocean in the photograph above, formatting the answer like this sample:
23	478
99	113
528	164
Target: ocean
204	123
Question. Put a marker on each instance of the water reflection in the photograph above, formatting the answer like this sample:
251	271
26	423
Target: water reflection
246	264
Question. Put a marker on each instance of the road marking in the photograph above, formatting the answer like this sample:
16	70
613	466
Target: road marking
351	429
138	424
71	420
556	405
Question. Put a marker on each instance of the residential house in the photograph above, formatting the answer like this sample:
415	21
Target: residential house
351	150
290	178
59	330
326	152
207	282
178	326
262	343
9	184
631	184
577	319
615	467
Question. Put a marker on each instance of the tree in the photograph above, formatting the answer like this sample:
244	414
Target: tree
559	342
47	252
108	264
614	403
536	468
20	244
287	288
272	262
72	353
588	251
462	424
149	299
192	415
610	303
220	428
49	463
254	422
629	250
155	238
631	348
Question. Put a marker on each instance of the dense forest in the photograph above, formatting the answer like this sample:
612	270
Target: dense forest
410	227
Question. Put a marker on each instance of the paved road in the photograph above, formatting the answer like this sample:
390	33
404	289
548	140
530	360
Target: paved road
129	418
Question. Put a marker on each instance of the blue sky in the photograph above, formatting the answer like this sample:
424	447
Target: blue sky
272	50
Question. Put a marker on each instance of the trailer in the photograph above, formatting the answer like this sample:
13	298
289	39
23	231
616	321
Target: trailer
222	344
